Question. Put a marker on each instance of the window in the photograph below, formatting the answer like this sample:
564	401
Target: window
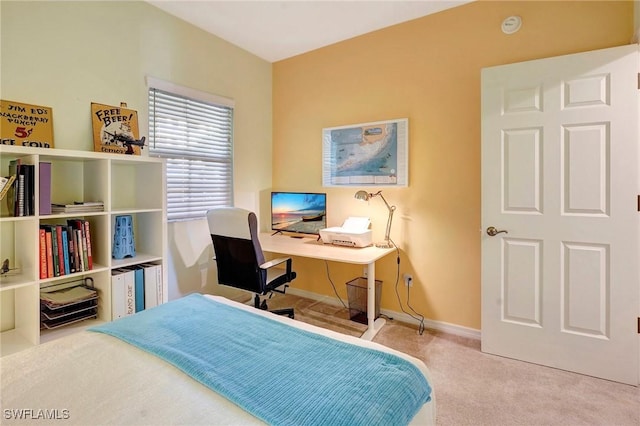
194	132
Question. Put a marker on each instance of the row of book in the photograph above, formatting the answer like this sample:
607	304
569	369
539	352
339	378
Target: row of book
65	249
21	194
135	288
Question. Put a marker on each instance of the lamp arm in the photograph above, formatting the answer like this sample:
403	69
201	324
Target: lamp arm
391	210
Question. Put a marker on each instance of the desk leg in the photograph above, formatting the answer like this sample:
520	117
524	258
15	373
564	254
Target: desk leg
373	325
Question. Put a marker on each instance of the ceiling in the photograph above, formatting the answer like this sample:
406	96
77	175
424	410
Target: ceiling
276	30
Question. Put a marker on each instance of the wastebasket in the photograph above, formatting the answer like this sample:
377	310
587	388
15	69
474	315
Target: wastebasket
357	295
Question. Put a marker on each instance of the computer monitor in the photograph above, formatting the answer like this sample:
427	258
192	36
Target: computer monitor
300	212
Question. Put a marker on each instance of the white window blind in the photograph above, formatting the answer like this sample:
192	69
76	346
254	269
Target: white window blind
196	139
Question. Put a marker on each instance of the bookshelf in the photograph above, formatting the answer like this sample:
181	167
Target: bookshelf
133	185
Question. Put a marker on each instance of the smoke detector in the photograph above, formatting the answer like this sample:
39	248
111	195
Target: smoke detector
511	24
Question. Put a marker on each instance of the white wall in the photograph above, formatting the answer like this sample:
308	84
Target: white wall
66	55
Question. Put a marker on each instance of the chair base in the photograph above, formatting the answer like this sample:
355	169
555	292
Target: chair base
263	306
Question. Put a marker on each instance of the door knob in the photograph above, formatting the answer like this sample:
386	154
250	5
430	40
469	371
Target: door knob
492	231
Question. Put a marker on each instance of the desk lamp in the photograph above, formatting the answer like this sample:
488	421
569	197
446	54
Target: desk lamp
364	195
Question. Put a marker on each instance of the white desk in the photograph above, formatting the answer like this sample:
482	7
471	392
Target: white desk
309	247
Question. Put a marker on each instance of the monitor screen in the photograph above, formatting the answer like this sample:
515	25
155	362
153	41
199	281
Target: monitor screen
302	212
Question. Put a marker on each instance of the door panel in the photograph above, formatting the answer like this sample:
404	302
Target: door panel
560	174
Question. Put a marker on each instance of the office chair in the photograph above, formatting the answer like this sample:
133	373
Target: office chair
239	257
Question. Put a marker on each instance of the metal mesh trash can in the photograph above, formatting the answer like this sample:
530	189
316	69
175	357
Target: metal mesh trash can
357	295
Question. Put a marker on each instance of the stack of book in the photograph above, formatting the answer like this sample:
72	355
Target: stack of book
65	249
78	207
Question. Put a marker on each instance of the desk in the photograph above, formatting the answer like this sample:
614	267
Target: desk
309	247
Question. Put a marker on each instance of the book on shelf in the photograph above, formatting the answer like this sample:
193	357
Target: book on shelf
29	190
44	185
42	234
49	243
60	247
87	234
54	251
12	196
21	192
65	250
78	207
7	183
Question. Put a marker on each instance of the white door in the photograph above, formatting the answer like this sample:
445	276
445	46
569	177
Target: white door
560	175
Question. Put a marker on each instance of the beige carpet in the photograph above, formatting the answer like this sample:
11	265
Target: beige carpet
473	388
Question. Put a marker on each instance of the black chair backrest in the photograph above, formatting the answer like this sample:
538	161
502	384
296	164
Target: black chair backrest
234	233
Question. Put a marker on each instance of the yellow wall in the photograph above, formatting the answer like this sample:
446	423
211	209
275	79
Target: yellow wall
66	55
427	70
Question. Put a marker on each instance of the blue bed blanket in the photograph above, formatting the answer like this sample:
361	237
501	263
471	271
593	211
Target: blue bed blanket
280	374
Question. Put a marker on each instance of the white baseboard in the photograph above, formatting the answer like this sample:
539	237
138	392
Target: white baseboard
444	327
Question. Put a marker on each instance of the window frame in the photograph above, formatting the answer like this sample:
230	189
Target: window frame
200	97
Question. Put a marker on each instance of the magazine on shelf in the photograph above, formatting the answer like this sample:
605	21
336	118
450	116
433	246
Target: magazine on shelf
78	207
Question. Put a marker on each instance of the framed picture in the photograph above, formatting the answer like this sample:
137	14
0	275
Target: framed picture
26	125
115	129
366	154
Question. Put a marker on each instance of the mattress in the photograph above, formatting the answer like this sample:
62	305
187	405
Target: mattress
92	378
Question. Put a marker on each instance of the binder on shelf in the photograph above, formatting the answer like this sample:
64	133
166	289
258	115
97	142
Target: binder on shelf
139	283
44	185
152	285
123	293
118	295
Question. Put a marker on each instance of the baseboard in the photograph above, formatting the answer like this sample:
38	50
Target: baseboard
444	327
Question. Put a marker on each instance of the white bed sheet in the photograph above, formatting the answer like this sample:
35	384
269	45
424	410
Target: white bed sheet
91	378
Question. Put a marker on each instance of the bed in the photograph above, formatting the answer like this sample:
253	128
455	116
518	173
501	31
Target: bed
143	370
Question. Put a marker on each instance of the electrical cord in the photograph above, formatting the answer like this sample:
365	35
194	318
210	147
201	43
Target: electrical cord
326	263
418	317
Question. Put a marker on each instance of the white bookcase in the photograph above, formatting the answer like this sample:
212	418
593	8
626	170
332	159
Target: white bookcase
127	184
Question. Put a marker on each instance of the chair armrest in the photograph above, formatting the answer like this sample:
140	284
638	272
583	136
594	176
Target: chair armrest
274	262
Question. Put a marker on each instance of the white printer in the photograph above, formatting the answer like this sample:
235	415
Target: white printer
354	232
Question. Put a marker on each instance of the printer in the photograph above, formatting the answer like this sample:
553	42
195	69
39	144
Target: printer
354	232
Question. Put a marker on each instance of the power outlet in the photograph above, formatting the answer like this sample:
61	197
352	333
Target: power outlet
408	280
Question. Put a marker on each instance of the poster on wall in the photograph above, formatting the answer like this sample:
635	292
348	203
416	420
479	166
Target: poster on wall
373	154
115	129
26	125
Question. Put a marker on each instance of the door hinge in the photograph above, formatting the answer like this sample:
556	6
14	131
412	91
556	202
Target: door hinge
639	81
638	325
639	203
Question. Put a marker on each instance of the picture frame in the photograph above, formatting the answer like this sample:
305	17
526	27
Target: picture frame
25	124
366	154
115	129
